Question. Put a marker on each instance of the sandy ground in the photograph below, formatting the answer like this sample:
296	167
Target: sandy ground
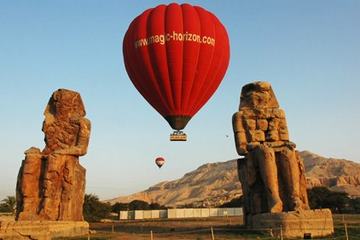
199	229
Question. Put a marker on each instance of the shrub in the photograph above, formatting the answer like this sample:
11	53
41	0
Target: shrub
8	204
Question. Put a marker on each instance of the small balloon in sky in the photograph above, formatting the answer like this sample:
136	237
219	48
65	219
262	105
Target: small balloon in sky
159	161
176	56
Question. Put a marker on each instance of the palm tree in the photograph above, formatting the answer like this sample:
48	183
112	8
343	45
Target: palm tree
95	210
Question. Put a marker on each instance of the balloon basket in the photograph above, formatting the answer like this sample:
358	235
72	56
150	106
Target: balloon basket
178	136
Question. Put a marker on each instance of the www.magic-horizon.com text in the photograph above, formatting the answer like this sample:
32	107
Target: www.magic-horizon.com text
174	36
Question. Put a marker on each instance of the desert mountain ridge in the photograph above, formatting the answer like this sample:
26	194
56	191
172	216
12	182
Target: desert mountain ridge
213	184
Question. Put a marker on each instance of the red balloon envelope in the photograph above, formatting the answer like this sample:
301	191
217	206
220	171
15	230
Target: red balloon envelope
176	56
159	161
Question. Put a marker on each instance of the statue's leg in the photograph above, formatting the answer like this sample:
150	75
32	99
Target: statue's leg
242	175
52	187
73	190
79	189
268	170
302	180
66	185
291	174
255	185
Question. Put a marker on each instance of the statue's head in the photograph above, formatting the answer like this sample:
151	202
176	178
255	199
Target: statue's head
258	95
65	104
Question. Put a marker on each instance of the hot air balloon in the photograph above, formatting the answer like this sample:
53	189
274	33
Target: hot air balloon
159	161
176	56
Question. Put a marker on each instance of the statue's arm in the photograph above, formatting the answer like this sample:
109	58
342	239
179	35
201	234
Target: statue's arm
239	134
83	137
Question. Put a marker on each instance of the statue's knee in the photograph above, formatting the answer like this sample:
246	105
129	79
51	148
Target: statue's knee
288	155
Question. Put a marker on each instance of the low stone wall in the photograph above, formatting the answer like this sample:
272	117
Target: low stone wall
42	230
181	213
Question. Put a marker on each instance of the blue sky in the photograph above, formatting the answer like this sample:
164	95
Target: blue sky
308	50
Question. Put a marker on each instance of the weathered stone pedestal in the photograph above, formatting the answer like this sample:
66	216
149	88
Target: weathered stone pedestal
312	223
42	230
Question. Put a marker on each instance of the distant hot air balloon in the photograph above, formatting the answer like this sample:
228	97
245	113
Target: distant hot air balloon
176	56
159	161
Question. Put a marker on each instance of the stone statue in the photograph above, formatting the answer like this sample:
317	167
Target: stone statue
51	182
271	172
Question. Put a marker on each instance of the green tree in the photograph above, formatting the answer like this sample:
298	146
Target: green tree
139	205
156	206
355	204
135	205
117	207
94	210
322	197
236	202
8	204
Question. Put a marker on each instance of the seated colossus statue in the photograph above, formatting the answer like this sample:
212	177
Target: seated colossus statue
51	182
270	170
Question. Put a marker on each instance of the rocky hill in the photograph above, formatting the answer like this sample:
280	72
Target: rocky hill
337	174
216	183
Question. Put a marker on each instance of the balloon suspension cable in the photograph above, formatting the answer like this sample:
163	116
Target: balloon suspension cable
178	136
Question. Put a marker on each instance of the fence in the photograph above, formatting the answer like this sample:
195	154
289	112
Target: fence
158	230
180	213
